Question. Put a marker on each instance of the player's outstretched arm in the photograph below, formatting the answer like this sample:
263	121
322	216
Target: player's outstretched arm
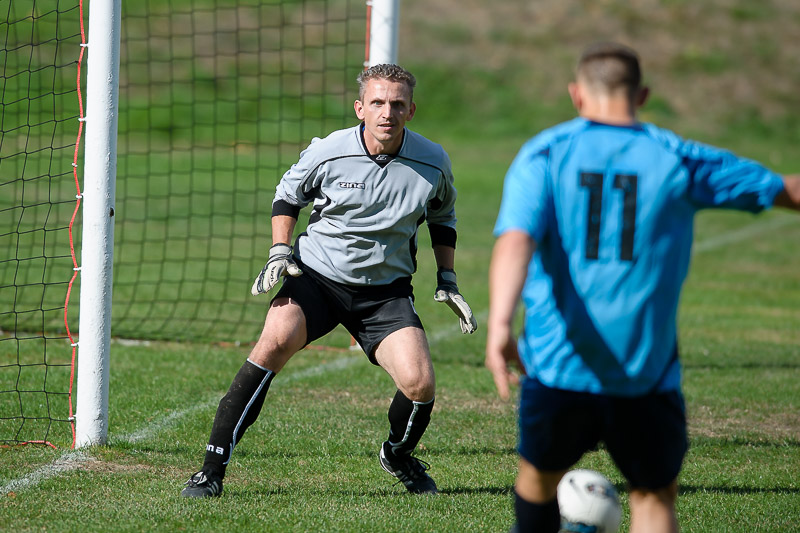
447	288
280	262
507	272
790	197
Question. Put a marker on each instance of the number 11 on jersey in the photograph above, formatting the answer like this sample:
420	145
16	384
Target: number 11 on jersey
626	183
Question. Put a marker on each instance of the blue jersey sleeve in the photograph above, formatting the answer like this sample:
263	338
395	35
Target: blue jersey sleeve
721	179
526	193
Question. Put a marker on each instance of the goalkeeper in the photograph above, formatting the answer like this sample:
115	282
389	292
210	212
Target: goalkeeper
371	187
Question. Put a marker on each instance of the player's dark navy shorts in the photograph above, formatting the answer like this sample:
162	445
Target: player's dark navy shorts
369	313
645	436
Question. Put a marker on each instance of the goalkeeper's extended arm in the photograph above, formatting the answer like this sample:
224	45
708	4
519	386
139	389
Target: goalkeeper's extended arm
447	292
280	262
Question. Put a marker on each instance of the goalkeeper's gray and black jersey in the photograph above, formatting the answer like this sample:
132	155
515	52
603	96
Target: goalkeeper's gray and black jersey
367	208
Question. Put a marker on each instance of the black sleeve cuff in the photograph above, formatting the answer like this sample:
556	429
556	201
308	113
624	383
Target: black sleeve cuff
443	235
284	208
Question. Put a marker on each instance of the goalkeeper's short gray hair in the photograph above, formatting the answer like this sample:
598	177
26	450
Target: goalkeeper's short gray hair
385	71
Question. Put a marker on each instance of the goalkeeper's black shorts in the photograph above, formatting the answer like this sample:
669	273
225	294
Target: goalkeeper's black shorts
369	313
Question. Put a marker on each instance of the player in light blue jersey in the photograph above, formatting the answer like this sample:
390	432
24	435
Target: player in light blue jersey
594	235
371	187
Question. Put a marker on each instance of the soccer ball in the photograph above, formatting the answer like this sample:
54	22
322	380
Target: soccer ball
588	503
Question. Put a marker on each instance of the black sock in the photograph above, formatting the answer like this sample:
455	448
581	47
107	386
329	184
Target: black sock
407	422
237	410
531	517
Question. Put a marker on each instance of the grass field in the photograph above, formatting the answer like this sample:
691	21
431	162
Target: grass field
310	462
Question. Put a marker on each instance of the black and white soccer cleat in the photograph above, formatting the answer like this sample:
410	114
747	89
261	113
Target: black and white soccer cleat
201	485
411	472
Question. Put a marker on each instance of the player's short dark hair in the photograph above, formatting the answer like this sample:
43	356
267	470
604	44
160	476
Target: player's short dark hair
385	71
611	67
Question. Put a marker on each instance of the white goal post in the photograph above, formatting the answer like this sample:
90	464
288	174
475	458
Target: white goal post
383	20
97	244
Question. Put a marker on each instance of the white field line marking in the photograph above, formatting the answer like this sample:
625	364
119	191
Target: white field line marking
68	461
166	421
743	234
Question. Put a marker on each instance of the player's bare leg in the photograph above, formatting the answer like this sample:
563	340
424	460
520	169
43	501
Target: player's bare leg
283	335
653	511
405	356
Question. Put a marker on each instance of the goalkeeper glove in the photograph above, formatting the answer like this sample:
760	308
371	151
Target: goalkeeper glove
280	263
447	292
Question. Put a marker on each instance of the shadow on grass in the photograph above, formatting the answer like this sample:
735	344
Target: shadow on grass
479	490
695	489
699	442
470	451
390	491
267	452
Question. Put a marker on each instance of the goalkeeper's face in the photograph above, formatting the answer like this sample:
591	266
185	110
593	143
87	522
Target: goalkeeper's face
385	109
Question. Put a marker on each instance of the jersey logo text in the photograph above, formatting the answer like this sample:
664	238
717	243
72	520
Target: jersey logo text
347	185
